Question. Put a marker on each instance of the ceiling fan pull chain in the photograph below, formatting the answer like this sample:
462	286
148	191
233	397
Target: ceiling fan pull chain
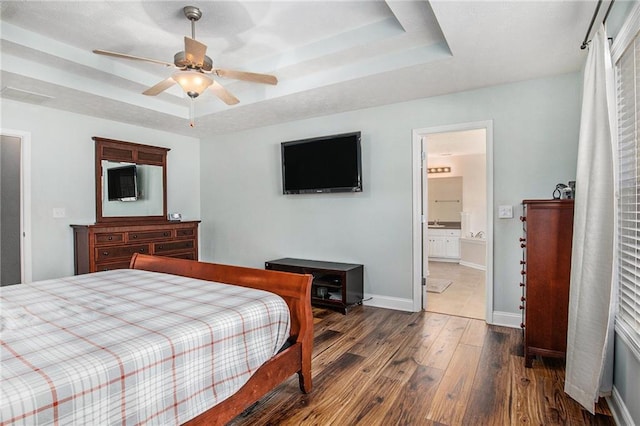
192	113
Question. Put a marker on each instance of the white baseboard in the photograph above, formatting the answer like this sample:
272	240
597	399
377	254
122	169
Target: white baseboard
506	319
388	302
473	265
445	259
619	410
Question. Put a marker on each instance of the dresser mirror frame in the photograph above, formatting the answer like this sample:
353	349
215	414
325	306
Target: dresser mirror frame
128	153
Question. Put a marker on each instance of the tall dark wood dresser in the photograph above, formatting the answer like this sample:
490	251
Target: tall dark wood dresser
545	275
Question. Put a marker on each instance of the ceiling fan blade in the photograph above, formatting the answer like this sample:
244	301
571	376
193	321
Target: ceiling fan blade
247	76
135	58
160	87
223	94
194	51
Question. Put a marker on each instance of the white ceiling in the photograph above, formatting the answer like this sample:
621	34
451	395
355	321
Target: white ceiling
466	142
329	56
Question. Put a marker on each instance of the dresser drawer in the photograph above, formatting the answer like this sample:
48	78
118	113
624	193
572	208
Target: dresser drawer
113	265
191	255
149	235
110	237
160	248
186	232
107	253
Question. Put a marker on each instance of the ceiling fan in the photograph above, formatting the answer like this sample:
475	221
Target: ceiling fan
194	68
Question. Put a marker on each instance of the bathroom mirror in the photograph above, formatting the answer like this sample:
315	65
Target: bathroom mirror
445	199
130	182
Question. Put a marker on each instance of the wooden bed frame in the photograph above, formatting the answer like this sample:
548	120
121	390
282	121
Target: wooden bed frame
295	289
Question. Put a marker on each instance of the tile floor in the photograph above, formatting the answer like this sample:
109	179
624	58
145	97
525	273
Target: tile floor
465	296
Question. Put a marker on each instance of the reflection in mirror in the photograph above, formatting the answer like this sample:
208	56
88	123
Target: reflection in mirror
148	198
445	199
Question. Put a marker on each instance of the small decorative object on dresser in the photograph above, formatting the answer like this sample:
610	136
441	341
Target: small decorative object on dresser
545	275
335	285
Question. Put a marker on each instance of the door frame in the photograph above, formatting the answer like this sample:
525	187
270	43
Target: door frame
420	207
26	265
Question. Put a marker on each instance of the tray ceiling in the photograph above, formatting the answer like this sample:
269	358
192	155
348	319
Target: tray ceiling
329	56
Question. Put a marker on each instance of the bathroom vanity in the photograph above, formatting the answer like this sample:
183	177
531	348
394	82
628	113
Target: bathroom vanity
444	243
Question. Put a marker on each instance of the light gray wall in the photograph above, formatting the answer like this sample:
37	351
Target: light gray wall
62	175
10	268
247	220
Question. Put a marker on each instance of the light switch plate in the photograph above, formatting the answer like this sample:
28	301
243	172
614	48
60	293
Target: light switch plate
505	212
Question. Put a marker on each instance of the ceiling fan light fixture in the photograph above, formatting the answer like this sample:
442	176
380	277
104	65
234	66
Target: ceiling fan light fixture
192	64
192	82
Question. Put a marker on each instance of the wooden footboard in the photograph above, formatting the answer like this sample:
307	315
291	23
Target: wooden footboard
295	289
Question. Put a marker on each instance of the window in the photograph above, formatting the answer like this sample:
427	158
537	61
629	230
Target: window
628	252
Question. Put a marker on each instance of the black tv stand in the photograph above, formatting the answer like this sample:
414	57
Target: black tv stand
335	285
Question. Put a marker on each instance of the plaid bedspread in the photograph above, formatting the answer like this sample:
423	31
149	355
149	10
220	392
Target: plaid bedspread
130	347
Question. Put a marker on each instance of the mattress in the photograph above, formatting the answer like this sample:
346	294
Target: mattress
130	347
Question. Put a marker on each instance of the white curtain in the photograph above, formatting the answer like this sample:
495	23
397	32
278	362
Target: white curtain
589	372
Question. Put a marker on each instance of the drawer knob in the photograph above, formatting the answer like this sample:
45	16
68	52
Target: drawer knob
110	238
105	253
141	250
134	236
166	234
160	247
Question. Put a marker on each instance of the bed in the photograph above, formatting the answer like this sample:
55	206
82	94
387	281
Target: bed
136	346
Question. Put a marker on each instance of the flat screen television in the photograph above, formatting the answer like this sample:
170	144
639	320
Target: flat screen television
322	164
122	183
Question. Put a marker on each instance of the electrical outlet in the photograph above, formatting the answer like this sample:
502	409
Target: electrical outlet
505	212
59	212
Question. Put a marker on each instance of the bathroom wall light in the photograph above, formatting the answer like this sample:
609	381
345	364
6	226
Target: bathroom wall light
439	170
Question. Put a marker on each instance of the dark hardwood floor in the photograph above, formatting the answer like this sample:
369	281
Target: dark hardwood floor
382	367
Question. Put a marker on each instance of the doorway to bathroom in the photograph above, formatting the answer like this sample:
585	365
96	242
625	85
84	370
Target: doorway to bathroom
453	235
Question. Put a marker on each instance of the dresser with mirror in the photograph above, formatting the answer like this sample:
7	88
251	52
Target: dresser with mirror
131	210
